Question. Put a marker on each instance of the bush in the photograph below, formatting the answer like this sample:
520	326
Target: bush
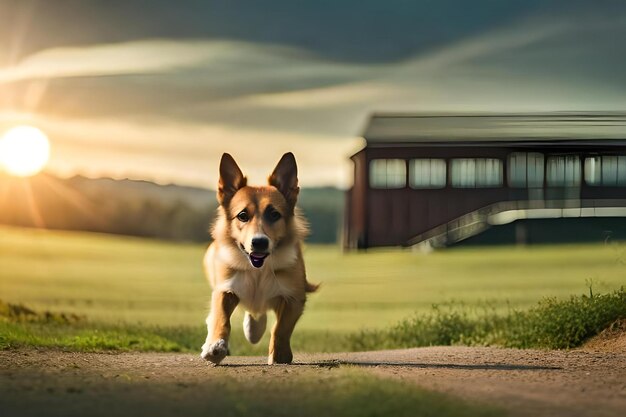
552	324
566	324
20	313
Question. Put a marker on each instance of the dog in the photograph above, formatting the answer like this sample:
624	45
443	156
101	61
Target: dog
255	260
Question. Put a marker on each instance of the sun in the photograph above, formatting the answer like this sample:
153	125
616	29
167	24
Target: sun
24	151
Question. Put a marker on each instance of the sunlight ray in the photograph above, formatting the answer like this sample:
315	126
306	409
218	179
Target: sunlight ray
73	197
21	26
32	204
34	94
5	188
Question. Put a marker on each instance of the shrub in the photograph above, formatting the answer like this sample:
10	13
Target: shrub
552	323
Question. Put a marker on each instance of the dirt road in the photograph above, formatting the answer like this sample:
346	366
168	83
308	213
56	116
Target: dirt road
521	382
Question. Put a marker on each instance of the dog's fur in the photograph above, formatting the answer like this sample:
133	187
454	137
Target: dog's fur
240	273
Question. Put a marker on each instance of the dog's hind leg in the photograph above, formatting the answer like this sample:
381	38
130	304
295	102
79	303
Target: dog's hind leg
253	328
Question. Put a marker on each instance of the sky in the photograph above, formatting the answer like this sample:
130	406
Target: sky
158	90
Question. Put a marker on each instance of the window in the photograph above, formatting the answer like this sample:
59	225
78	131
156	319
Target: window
606	170
563	171
427	173
388	173
526	170
476	172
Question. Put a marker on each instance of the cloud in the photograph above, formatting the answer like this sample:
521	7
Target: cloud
430	73
233	61
101	60
496	71
167	109
347	30
211	80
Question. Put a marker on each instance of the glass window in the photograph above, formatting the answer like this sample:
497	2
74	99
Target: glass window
606	170
563	171
427	173
476	172
388	173
593	173
526	170
463	172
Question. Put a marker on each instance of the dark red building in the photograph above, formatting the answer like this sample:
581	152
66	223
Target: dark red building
440	179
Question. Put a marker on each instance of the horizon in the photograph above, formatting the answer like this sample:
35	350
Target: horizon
141	180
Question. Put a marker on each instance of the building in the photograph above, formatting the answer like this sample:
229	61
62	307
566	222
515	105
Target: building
440	179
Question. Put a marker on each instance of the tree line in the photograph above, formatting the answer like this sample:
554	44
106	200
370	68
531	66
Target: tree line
139	208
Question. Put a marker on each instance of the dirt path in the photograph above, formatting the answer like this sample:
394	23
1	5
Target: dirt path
523	382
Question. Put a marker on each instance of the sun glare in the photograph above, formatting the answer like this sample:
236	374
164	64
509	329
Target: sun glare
24	151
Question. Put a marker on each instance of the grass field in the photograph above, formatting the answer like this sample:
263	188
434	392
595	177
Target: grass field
113	279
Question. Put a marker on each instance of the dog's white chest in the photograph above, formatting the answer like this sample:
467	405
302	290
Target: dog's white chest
255	289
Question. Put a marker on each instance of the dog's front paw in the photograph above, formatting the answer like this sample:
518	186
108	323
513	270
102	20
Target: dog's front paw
215	352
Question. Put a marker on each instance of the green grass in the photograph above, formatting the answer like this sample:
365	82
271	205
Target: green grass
157	290
93	336
552	324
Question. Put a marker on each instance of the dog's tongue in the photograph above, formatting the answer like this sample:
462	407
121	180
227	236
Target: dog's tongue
257	259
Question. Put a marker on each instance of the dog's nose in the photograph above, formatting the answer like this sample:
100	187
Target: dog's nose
260	244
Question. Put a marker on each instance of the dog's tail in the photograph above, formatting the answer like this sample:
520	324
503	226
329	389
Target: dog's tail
308	287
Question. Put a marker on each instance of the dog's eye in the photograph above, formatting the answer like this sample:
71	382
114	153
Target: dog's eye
243	216
274	216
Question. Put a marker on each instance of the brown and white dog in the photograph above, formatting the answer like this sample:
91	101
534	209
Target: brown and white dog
255	259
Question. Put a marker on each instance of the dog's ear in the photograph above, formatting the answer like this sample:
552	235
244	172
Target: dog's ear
231	179
285	178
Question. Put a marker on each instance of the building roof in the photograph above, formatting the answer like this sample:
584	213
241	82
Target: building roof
386	128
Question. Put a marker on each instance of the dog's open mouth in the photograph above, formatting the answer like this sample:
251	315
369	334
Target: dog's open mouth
256	258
